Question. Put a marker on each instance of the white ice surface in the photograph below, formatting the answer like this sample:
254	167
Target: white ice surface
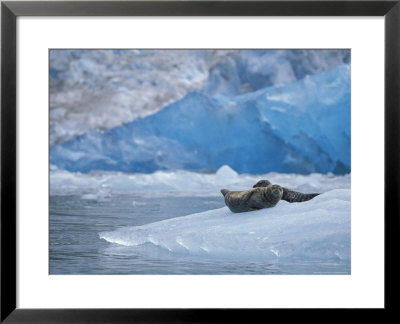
317	229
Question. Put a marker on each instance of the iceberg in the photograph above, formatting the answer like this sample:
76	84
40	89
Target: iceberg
318	229
302	127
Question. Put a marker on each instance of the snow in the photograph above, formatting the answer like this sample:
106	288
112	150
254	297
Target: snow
302	127
318	229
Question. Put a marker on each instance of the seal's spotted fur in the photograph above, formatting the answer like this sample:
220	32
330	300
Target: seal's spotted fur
262	195
252	199
288	194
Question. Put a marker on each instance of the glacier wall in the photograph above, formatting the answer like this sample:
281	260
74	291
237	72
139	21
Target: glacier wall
300	127
101	89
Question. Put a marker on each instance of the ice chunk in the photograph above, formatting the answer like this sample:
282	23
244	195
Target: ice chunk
318	229
103	193
226	173
184	182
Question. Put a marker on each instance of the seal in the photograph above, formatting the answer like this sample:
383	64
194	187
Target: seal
288	194
252	199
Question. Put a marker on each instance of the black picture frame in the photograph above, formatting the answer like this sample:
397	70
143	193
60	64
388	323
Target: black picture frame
10	10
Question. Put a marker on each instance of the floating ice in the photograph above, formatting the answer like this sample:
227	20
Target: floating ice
183	182
102	194
225	172
318	229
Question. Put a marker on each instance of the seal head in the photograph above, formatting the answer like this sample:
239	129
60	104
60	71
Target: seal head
273	194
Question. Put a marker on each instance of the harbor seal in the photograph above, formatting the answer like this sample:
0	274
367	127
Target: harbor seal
252	199
288	194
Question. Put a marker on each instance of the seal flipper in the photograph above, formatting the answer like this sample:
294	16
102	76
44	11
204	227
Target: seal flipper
224	191
294	196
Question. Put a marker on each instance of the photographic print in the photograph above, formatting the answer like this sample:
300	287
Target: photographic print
200	161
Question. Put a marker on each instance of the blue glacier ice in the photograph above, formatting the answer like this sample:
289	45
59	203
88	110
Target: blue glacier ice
101	89
301	127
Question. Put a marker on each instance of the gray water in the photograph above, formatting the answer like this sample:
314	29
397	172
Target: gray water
75	246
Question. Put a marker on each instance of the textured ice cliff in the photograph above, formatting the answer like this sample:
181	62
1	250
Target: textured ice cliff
301	127
101	89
